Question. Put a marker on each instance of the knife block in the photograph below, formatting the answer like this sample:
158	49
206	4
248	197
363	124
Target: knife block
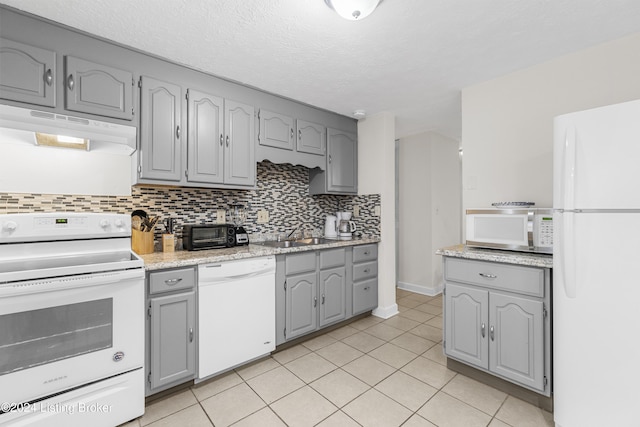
142	242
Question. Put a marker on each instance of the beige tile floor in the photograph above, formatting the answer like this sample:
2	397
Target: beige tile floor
372	372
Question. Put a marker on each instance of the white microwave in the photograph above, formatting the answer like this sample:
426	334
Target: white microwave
525	229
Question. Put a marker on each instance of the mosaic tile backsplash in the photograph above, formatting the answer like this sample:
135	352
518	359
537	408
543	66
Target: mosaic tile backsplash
282	190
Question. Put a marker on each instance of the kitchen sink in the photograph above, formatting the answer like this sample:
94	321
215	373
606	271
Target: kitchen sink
295	243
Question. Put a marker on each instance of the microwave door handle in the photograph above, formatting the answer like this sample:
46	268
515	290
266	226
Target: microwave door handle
530	226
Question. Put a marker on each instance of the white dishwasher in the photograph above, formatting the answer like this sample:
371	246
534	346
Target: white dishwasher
236	313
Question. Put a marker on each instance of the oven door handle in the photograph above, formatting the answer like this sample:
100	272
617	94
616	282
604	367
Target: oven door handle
69	282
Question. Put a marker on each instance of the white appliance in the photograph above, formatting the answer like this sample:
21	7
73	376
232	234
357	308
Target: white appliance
596	321
236	313
510	227
71	320
330	227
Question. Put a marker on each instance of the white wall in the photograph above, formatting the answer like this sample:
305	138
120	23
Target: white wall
507	128
429	208
376	175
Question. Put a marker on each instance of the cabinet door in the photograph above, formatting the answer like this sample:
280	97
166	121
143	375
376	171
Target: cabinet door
466	324
160	130
98	89
276	130
311	138
333	305
365	295
27	73
301	305
205	153
172	339
516	337
240	156
342	162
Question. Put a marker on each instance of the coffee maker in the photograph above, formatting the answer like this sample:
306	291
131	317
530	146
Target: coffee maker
238	215
346	227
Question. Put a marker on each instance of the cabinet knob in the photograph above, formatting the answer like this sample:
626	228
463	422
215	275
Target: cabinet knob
491	333
227	140
322	299
366	288
315	301
482	329
48	77
291	133
366	270
70	82
190	334
178	132
221	140
171	282
329	158
366	252
488	275
299	134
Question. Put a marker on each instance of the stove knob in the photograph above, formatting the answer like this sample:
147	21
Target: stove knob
119	223
10	226
104	223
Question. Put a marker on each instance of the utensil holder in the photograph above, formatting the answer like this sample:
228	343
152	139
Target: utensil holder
168	243
141	242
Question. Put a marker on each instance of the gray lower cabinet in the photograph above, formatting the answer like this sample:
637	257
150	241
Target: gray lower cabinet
365	278
171	322
98	89
314	291
160	154
27	73
319	288
341	174
496	319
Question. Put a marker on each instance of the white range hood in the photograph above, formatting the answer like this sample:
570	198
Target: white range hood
103	136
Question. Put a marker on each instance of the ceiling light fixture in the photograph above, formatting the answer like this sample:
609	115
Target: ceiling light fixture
353	10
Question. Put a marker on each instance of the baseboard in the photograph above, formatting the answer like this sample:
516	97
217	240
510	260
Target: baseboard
418	289
386	312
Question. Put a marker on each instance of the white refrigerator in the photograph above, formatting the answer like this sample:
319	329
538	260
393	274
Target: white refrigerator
596	267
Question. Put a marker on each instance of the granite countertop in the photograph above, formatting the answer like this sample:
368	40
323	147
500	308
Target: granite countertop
507	257
160	260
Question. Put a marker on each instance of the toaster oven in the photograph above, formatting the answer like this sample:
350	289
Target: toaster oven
207	236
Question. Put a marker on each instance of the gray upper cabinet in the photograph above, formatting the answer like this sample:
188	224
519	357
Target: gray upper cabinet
205	152
311	138
160	130
276	130
98	89
27	73
341	173
239	144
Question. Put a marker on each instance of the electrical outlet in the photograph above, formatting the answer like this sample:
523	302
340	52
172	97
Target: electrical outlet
356	211
221	216
263	217
376	211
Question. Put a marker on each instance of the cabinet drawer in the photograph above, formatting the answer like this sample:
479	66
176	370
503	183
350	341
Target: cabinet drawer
300	263
332	258
512	278
171	280
365	295
365	253
365	270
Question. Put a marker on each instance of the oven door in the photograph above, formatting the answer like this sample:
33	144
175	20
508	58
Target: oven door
60	333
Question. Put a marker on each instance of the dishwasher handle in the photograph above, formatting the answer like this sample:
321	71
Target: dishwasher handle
205	279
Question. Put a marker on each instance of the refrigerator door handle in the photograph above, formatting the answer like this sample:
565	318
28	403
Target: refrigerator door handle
569	169
568	255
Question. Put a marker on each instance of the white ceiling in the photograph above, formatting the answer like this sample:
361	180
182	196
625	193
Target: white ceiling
410	57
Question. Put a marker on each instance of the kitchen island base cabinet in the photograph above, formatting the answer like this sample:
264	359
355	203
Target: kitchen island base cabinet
171	320
504	333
